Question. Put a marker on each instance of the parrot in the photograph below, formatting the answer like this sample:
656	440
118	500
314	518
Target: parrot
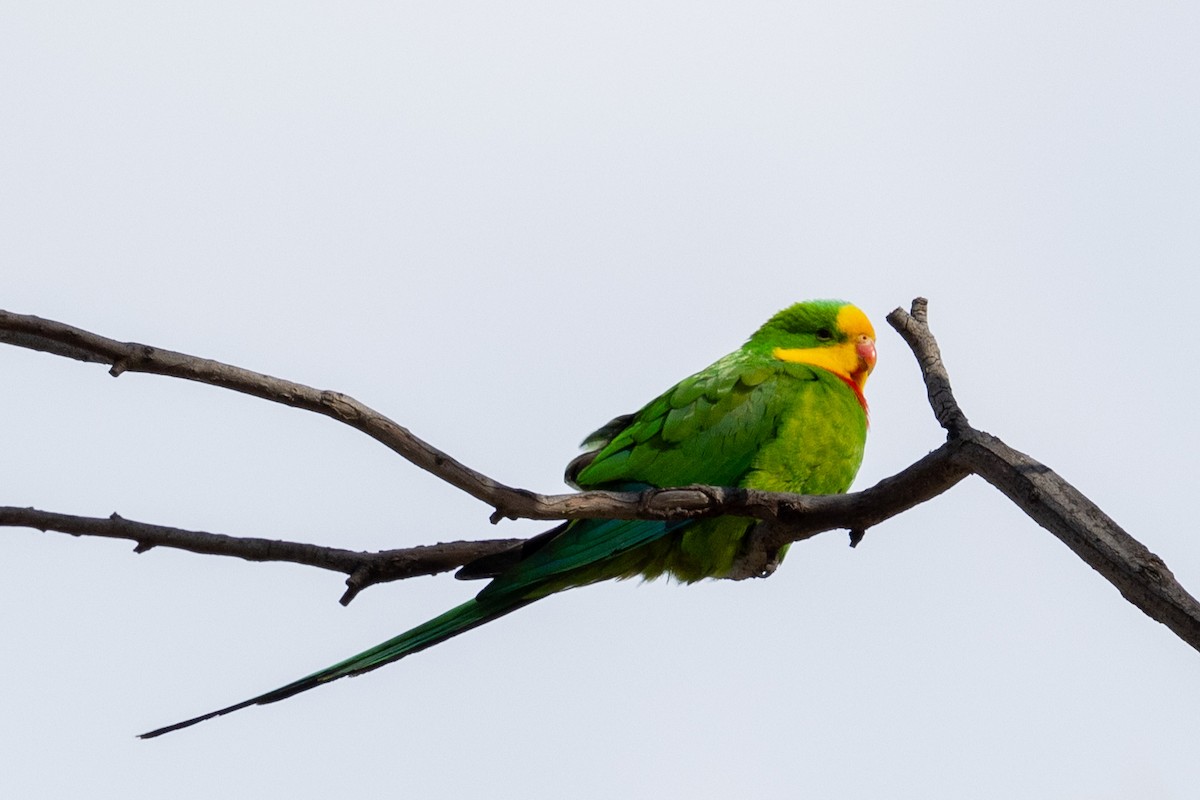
784	413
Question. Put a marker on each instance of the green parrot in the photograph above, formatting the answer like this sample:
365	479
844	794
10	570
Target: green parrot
785	413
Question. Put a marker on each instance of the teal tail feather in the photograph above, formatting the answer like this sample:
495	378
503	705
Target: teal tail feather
461	618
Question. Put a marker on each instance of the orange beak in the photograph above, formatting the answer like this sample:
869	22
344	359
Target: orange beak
865	347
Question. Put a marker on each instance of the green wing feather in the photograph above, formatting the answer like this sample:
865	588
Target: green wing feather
706	429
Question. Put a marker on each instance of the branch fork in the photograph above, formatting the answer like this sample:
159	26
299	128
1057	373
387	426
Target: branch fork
1140	576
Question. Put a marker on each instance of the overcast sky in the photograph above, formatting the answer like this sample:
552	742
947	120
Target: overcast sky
503	224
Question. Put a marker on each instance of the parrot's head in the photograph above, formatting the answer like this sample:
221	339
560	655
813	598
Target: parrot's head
829	334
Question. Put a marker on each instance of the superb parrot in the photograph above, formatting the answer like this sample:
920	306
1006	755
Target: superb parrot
784	413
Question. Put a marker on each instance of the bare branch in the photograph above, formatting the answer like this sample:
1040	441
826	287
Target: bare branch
65	340
799	516
1137	573
915	331
1141	576
363	568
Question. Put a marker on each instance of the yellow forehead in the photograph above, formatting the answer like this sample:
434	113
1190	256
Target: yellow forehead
854	322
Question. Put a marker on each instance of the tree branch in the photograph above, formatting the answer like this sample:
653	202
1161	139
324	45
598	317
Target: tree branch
363	568
799	515
914	329
1137	573
65	340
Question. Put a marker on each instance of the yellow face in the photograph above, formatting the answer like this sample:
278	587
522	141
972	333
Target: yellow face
851	360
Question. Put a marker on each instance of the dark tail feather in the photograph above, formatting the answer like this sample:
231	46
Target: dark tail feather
496	563
470	614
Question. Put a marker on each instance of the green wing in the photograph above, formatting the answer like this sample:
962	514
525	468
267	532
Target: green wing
706	429
748	420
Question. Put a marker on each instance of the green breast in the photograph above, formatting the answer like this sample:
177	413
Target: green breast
818	445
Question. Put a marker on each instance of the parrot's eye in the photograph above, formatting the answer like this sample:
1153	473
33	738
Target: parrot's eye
824	335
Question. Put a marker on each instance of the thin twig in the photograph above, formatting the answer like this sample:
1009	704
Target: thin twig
914	329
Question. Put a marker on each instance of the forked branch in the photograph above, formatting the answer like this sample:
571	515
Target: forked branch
1137	573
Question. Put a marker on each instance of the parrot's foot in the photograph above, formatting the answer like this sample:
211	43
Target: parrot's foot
743	569
759	558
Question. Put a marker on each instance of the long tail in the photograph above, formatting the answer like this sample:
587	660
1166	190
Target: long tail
462	618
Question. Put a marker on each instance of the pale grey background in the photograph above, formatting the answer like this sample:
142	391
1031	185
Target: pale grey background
504	223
